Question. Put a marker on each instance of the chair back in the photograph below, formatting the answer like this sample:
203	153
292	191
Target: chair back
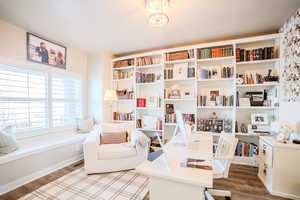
182	130
226	149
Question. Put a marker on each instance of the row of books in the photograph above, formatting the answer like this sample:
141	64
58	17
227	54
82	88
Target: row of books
255	54
142	77
246	149
215	72
125	94
219	101
123	63
123	116
151	101
215	52
121	74
180	55
214	125
148	60
178	73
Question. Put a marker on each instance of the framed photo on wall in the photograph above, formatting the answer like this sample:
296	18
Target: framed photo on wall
43	51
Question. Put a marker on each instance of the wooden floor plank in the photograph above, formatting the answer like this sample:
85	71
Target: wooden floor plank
242	182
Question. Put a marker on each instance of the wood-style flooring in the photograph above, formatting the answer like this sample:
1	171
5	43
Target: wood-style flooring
242	182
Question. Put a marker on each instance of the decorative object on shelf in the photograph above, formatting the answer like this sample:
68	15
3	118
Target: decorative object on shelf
244	128
291	55
283	129
157	8
259	119
43	51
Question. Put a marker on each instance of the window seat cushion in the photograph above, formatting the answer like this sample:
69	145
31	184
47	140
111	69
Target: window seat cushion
38	144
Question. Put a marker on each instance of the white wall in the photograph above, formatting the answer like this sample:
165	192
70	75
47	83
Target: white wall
13	52
99	79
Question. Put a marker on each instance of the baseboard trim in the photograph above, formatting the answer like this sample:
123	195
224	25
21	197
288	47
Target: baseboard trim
285	195
27	179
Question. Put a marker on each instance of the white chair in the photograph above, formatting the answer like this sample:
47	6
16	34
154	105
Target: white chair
101	158
222	161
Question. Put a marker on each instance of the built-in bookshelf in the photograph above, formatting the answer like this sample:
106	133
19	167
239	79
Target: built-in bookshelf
218	87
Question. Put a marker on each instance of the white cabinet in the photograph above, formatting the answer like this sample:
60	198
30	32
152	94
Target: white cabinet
279	167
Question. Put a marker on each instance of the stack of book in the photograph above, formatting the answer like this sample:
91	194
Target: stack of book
141	102
180	55
148	60
123	63
124	94
123	116
215	52
250	78
118	74
255	54
142	77
246	149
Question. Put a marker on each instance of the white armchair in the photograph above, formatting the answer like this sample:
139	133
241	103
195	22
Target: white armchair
101	158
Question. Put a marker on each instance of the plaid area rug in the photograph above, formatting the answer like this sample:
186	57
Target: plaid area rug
126	185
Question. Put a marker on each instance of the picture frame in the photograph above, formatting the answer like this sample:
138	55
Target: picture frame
43	51
259	119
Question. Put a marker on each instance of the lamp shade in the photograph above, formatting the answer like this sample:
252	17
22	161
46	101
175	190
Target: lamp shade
110	95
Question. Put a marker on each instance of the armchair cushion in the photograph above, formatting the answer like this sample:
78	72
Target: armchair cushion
115	151
113	137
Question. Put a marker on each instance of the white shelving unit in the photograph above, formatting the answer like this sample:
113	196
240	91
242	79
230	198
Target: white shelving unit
189	105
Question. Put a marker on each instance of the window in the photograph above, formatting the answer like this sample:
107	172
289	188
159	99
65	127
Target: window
35	100
65	100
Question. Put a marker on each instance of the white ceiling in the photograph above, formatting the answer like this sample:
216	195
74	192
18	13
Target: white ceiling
120	26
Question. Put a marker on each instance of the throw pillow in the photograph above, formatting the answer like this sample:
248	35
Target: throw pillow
8	141
85	125
113	137
134	138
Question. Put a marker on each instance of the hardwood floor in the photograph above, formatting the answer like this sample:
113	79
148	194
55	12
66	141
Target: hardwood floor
242	182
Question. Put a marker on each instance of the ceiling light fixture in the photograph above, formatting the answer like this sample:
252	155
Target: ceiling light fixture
157	9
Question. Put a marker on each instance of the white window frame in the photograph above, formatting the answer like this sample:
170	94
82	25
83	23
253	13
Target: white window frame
49	72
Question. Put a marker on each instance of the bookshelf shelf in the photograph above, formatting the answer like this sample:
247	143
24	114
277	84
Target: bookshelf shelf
212	80
215	59
124	79
258	61
189	99
148	108
124	68
215	107
124	121
196	87
150	130
125	100
243	160
151	83
149	66
260	85
247	134
257	108
187	79
180	61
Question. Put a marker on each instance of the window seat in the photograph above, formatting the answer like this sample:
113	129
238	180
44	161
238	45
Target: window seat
38	144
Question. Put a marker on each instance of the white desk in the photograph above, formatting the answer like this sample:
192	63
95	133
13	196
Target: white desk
168	180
